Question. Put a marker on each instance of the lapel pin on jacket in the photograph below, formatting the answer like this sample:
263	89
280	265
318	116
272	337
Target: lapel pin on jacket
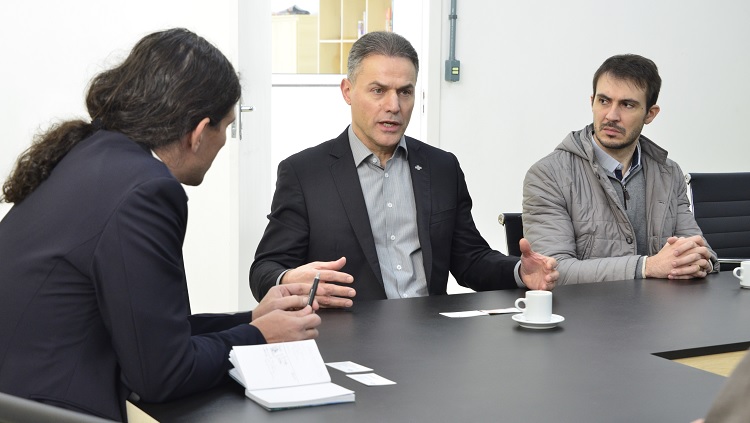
418	167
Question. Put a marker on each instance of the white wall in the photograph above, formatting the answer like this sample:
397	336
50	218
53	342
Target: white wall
51	49
526	71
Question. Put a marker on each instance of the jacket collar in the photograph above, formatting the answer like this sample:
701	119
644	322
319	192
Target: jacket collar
579	143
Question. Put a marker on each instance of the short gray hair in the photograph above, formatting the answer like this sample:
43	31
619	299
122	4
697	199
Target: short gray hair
384	43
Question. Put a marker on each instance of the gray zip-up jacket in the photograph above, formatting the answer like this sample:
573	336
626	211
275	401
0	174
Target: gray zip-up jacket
571	211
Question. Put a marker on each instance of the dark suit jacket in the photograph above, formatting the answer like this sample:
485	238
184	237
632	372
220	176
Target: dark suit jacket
319	214
93	296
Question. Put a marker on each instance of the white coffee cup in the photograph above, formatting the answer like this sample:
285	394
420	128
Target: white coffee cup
538	306
743	273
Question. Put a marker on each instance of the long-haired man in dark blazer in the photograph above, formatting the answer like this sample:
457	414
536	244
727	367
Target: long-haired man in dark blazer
94	302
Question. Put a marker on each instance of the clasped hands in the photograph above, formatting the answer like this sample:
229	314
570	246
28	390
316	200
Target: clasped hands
680	258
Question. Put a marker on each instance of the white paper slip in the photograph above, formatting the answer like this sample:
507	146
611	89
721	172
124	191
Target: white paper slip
371	379
349	367
457	314
502	310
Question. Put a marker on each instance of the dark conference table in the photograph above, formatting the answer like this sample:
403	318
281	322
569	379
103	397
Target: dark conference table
599	365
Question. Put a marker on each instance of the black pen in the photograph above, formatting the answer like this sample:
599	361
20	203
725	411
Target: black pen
313	290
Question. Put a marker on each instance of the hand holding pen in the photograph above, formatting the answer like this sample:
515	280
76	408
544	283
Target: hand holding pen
283	314
289	297
313	290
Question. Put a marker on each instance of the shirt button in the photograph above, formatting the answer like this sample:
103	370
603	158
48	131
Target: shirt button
374	160
390	204
398	267
393	237
405	296
629	240
386	174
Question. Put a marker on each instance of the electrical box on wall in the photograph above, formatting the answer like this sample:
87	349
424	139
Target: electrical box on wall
452	70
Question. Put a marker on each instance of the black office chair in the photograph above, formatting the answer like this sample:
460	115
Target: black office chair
513	231
20	410
721	206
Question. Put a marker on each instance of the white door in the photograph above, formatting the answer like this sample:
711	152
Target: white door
254	158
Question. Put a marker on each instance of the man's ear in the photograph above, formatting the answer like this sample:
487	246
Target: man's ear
346	87
195	136
651	114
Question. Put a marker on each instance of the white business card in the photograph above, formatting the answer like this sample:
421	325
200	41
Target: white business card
371	379
457	314
349	367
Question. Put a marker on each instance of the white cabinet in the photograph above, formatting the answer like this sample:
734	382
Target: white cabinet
295	43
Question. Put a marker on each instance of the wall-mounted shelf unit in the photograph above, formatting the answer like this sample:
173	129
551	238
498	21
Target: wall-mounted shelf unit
339	28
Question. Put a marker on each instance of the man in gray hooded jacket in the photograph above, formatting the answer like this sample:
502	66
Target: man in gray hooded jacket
607	203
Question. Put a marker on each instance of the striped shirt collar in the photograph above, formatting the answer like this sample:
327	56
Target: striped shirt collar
360	152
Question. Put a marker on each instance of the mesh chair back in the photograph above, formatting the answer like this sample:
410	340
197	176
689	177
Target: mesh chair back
721	206
513	231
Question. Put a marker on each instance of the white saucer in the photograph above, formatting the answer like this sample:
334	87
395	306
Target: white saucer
554	320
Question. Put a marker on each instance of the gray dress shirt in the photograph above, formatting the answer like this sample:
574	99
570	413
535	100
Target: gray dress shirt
389	197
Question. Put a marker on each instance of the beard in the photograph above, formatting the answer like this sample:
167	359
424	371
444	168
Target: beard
607	142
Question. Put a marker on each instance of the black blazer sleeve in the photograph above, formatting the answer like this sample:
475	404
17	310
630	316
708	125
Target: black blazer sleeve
285	241
217	322
473	263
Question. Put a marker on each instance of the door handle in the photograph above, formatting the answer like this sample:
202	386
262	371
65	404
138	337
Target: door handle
238	123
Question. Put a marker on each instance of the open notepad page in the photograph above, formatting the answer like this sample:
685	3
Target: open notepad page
284	375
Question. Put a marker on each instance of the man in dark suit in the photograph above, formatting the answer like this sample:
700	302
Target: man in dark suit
385	213
94	302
